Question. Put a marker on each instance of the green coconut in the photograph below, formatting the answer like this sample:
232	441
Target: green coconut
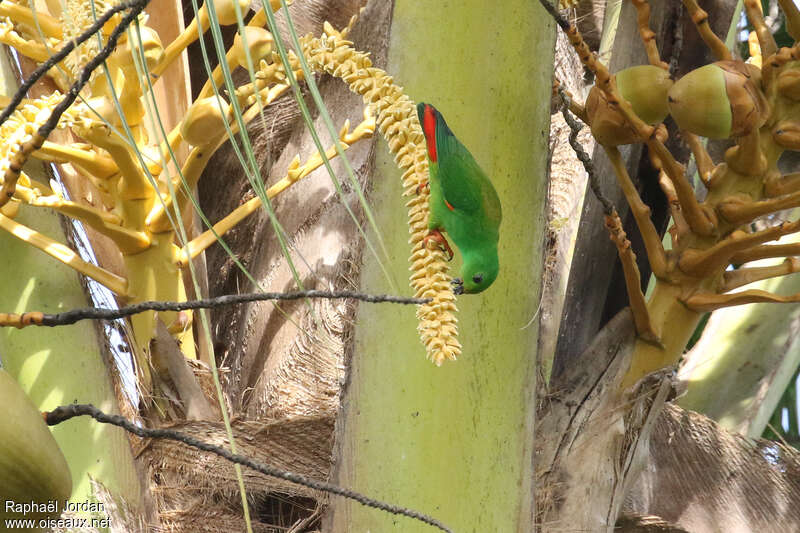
34	477
645	87
719	101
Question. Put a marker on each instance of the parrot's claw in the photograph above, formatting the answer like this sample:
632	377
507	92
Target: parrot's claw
436	236
458	286
423	185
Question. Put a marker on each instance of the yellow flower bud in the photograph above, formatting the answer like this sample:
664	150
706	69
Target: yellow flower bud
259	41
205	120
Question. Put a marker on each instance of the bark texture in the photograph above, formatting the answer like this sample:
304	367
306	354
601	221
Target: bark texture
707	480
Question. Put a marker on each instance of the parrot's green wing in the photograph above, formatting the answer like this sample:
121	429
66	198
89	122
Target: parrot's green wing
465	186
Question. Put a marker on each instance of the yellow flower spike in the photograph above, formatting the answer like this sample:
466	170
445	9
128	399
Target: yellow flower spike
397	121
17	133
205	120
75	18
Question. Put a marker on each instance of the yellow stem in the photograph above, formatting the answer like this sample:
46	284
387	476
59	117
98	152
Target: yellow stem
36	51
739	212
765	251
745	276
157	220
100	166
792	14
217	75
700	19
710	302
706	262
765	38
673	323
108	224
633	279
780	185
134	183
705	166
260	18
647	35
50	25
60	252
176	47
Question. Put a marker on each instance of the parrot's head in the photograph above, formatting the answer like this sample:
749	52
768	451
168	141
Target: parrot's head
479	271
431	120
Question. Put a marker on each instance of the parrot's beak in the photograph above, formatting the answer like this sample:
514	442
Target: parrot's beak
458	286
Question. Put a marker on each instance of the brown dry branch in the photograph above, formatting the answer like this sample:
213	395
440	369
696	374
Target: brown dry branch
756	17
765	251
648	36
745	276
700	19
641	212
633	281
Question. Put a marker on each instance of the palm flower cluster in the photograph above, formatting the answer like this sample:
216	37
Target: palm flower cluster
755	105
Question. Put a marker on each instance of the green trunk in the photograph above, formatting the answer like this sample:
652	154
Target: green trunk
456	442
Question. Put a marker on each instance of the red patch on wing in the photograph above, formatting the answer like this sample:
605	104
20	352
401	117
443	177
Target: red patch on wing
450	207
429	127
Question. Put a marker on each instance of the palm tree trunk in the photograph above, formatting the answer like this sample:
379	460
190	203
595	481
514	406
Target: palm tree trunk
456	441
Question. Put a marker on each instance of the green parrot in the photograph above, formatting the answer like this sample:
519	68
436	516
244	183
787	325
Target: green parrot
462	203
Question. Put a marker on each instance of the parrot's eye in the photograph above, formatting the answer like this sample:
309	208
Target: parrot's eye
478	278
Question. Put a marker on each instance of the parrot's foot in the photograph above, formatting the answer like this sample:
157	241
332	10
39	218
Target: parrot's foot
458	285
424	185
436	236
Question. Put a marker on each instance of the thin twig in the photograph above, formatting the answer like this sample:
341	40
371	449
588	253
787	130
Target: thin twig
65	412
560	20
581	154
37	318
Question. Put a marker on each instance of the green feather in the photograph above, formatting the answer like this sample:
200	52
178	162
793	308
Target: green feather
462	201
